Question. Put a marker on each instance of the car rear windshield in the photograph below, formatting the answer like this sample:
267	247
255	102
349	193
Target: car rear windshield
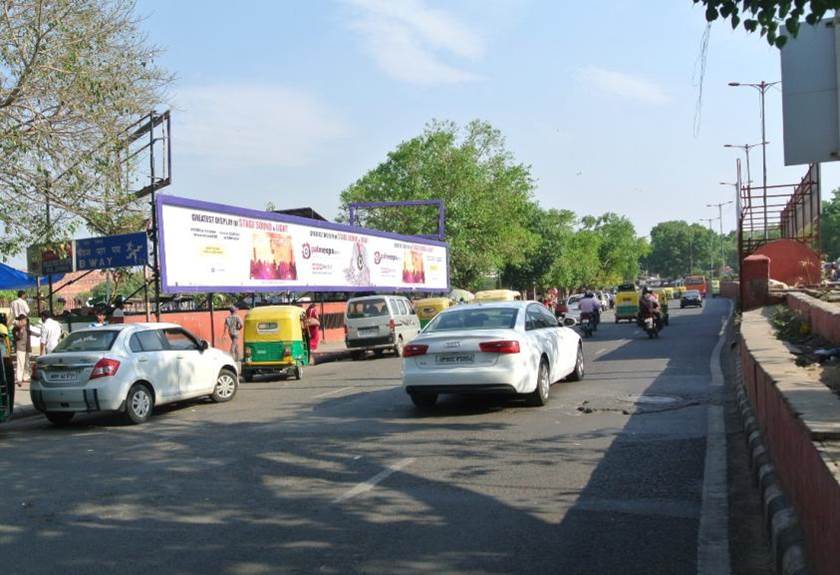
692	292
367	308
475	318
94	340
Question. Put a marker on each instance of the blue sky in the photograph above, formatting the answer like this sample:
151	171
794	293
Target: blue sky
290	102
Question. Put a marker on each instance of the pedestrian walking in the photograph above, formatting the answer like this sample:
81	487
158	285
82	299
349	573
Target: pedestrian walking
19	306
313	325
233	325
23	349
50	333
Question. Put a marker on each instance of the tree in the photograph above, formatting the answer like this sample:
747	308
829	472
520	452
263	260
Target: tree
619	249
487	196
776	19
830	226
554	231
678	248
73	75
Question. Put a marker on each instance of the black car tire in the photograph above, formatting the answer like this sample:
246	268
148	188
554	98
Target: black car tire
357	355
580	370
59	418
540	395
221	392
134	411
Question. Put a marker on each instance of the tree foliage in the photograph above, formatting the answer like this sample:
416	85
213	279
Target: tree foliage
678	248
73	75
774	19
486	193
830	226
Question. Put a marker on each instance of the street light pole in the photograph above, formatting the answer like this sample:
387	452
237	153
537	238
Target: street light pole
746	148
762	88
720	218
711	246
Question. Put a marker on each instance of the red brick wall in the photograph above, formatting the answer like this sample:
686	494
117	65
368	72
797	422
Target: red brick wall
792	262
823	317
804	475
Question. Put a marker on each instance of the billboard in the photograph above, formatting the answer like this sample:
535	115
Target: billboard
212	247
48	260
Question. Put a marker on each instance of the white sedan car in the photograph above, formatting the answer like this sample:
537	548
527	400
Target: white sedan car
129	368
507	347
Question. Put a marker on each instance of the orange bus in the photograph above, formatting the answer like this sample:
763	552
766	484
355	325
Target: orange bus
696	282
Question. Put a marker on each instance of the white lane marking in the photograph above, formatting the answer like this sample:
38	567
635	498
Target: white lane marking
366	486
600	351
329	393
713	535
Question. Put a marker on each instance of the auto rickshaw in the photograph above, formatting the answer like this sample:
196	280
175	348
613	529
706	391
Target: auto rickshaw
662	298
429	307
276	341
626	303
496	295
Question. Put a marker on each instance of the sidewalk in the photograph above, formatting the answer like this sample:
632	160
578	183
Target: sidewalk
329	351
23	404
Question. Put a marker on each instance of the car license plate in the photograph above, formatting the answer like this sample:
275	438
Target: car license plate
368	330
62	376
455	358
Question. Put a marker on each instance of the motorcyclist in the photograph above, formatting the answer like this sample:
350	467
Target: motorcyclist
590	306
649	306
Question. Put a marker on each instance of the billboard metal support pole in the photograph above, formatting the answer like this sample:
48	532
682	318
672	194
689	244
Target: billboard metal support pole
155	255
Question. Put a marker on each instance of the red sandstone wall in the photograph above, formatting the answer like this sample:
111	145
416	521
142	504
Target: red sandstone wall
823	317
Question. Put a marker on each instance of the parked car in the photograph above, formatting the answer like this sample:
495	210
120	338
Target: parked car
129	368
572	307
379	323
515	348
691	298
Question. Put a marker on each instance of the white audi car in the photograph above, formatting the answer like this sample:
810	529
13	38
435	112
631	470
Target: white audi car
129	368
515	348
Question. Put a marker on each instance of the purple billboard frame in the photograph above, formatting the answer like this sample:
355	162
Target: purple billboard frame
441	235
160	200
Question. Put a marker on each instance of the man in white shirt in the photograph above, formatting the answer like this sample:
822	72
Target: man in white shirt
19	306
50	333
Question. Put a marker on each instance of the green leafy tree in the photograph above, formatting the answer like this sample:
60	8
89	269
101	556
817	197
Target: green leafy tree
774	19
487	195
554	231
830	226
619	248
678	248
73	75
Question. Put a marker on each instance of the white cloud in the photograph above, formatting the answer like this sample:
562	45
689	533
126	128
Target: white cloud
411	41
624	85
252	125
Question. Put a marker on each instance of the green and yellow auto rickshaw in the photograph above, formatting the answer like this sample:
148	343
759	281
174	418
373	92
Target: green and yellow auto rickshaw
276	341
662	298
626	303
429	307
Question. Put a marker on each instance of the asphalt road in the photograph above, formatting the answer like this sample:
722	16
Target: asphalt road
338	473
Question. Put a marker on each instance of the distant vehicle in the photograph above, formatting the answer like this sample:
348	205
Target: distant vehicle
691	298
379	323
715	288
497	295
514	348
626	303
696	283
129	368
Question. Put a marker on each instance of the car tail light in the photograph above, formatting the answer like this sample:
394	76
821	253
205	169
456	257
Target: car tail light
105	368
34	370
392	325
499	346
287	352
346	330
414	349
248	352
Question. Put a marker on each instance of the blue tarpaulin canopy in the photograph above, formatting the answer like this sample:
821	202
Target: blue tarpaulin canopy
10	278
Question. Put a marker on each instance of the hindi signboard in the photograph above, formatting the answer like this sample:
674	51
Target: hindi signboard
212	247
125	250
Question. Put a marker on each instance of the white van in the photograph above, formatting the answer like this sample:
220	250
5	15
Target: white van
379	323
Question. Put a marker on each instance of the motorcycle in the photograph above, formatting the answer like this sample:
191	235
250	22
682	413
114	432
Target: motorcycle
587	324
652	325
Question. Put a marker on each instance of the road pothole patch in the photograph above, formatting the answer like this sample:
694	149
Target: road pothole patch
635	404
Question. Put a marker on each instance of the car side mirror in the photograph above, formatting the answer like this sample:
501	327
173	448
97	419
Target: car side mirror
569	322
204	345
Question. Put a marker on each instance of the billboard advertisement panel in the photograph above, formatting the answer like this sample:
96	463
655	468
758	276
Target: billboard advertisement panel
212	247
